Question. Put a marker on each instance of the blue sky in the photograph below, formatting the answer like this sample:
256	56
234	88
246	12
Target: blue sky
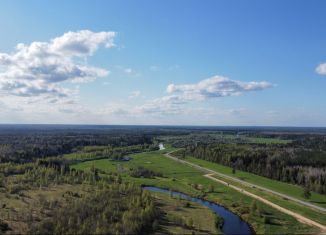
172	62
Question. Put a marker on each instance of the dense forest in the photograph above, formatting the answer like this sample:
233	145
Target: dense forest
26	146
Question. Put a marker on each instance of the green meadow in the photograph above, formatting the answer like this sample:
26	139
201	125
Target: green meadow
175	212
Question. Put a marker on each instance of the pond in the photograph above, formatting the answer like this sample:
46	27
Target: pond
233	224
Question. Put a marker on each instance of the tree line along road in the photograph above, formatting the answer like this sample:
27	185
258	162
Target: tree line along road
209	174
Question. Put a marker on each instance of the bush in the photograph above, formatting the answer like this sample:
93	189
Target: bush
267	220
219	222
143	172
3	226
155	225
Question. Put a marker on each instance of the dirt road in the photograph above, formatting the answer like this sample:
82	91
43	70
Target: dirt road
315	207
299	217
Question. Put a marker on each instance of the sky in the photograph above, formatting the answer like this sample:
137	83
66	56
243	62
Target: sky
185	62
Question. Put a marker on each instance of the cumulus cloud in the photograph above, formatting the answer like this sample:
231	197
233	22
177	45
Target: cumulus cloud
163	105
82	43
216	86
179	96
166	105
321	69
40	68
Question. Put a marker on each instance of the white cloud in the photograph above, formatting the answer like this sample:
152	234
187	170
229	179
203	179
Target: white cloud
154	68
40	68
181	95
82	43
128	71
216	86
159	106
134	94
321	69
166	105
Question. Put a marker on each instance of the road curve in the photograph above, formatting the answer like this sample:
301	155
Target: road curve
209	174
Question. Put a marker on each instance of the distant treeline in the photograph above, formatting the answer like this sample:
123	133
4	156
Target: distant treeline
24	147
300	163
25	143
109	152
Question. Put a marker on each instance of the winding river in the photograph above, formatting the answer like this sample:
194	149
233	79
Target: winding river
233	224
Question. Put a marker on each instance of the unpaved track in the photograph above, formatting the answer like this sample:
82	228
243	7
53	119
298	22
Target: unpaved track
210	174
299	217
204	169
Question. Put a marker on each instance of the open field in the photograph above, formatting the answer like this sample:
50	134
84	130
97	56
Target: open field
182	178
176	213
35	205
281	187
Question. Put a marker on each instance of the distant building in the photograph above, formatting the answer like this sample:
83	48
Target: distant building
161	146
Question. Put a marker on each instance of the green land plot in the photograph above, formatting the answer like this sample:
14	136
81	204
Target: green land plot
281	187
34	204
177	216
179	177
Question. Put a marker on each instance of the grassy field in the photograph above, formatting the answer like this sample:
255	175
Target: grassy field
36	204
176	213
179	177
281	187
